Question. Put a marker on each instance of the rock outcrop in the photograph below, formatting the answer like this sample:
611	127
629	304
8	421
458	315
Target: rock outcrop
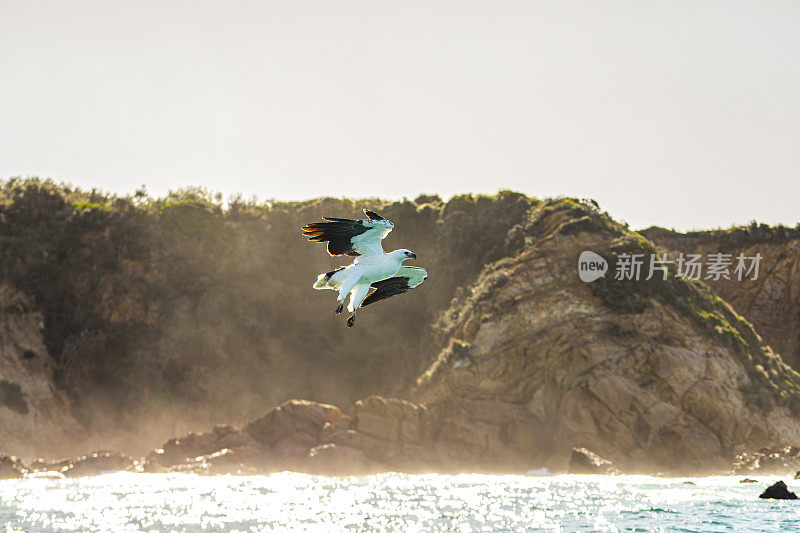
652	374
778	491
583	461
385	434
34	415
772	301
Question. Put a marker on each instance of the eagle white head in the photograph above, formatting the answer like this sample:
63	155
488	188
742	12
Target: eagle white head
403	254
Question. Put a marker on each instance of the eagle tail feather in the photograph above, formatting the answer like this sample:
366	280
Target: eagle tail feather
326	281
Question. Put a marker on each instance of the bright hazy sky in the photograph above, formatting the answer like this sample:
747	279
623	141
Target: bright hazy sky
682	114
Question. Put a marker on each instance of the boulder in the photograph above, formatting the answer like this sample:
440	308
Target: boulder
293	425
583	461
279	440
778	491
390	419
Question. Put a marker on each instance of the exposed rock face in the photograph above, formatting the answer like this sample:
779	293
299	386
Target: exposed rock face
292	425
778	491
654	375
34	417
772	302
583	461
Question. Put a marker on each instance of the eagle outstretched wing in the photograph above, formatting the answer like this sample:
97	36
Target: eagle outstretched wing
406	279
348	236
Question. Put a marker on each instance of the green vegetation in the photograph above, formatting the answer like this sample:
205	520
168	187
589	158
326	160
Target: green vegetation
726	239
581	215
631	296
176	303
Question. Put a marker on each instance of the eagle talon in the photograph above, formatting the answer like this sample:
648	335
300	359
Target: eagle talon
351	321
339	309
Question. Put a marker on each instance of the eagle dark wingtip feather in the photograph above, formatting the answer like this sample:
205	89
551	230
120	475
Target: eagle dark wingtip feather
372	215
338	232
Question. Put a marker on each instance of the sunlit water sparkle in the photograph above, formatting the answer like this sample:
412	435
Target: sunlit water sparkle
391	502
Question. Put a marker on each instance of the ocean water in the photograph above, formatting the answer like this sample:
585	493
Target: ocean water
391	502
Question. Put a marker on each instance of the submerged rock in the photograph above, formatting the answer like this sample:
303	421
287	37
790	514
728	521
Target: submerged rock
583	461
778	491
748	480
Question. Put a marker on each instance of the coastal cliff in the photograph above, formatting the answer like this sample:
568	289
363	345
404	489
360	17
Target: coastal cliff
655	375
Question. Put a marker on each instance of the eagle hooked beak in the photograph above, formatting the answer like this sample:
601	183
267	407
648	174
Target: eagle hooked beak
412	255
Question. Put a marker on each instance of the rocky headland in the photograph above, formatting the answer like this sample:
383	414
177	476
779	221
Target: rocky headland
534	368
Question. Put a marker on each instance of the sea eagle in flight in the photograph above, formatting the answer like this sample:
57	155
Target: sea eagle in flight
373	269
